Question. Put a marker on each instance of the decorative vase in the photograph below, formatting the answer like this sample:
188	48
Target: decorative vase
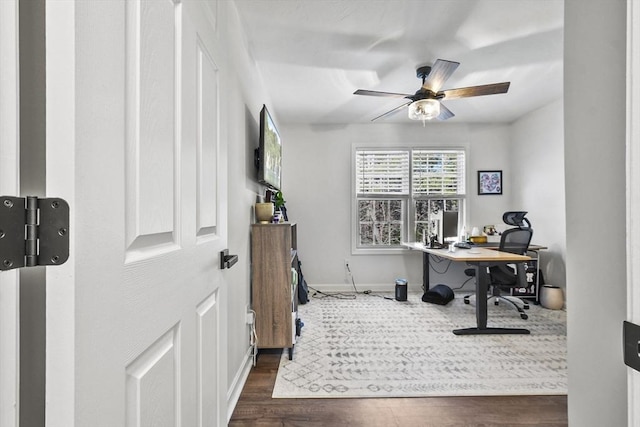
552	297
264	212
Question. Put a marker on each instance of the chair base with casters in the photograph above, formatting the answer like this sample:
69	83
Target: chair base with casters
515	302
496	295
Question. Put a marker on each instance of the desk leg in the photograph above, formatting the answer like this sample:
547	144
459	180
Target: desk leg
425	271
482	288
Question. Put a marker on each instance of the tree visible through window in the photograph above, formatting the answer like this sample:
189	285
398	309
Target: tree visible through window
408	194
380	222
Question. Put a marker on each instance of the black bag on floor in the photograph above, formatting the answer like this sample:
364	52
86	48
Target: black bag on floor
303	288
439	294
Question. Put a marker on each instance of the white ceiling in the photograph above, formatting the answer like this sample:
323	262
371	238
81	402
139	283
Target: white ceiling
313	54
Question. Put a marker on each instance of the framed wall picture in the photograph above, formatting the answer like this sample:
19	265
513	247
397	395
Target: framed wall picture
489	182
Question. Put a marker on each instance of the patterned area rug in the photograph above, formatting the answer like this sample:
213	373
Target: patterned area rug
375	347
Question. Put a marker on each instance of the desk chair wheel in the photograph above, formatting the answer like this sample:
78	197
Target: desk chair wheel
466	299
524	316
516	301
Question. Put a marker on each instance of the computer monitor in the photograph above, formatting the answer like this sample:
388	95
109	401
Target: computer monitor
449	226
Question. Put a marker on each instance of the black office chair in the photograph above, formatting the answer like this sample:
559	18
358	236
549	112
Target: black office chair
503	277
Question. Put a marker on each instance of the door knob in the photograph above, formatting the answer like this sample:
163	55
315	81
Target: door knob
631	334
226	260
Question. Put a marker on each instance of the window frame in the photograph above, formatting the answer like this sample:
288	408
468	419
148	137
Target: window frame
409	200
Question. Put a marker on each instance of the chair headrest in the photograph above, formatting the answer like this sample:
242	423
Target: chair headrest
516	218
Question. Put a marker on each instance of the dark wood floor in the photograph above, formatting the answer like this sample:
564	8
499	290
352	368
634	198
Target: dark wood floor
256	408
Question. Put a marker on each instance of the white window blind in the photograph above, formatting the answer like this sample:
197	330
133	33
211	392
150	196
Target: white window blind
382	172
438	172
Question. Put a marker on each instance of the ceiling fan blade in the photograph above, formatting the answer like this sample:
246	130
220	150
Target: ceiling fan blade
439	74
445	113
390	112
466	92
377	93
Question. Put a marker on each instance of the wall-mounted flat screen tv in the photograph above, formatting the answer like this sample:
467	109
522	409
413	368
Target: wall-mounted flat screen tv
269	159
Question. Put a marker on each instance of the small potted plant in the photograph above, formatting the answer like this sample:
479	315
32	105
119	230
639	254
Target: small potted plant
279	202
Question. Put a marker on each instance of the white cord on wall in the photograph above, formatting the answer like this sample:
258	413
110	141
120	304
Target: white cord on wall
253	339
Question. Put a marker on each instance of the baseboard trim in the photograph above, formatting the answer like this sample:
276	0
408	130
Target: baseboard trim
238	383
378	287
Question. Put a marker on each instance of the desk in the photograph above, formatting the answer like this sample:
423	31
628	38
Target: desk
481	258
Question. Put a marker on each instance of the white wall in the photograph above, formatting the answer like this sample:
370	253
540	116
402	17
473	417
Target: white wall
595	61
537	153
242	99
317	187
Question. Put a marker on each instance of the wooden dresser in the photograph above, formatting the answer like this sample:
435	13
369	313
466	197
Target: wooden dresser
273	296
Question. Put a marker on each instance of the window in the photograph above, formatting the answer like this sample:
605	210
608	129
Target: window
407	194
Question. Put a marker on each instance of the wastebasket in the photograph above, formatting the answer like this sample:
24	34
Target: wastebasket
401	290
552	297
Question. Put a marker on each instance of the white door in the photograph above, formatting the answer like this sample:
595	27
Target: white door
9	186
134	318
633	195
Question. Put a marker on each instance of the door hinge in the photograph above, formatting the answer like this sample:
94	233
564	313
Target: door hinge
33	231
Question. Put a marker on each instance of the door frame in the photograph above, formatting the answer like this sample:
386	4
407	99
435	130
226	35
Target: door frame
9	185
633	195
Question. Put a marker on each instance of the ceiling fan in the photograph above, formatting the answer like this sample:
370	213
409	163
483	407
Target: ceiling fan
425	103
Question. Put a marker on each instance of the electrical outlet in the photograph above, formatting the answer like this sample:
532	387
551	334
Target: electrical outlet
347	270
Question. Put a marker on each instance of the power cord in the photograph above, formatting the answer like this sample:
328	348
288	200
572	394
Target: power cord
463	283
337	295
438	260
367	292
353	282
253	339
344	295
318	294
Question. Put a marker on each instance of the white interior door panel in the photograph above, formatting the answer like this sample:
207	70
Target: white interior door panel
142	294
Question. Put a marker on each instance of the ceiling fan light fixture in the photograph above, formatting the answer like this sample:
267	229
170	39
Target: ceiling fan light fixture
424	109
